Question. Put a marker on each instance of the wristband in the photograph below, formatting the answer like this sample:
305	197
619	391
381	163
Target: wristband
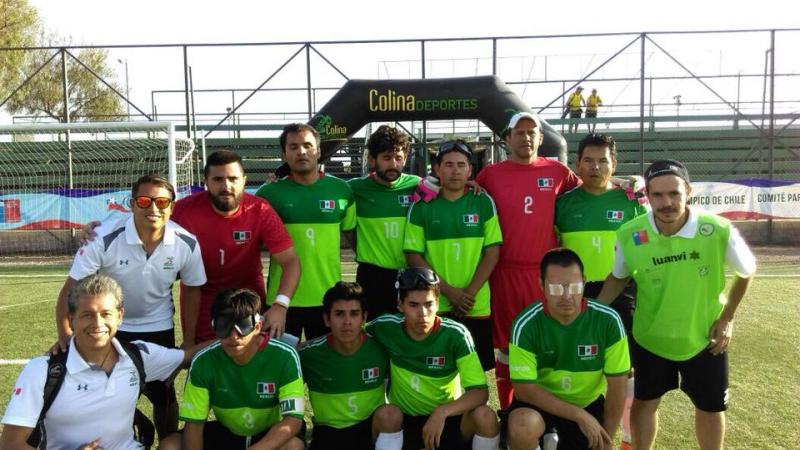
282	300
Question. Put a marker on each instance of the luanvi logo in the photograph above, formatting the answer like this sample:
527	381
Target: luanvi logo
669	259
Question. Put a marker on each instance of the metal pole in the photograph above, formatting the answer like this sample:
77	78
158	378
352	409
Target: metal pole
191	100
127	91
422	164
308	78
771	118
65	92
494	72
641	109
186	90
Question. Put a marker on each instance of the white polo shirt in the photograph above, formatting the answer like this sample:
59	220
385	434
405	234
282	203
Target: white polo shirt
90	404
738	255
146	281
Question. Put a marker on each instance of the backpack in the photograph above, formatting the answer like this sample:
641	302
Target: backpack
143	429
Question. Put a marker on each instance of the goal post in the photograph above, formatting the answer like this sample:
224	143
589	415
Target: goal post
55	177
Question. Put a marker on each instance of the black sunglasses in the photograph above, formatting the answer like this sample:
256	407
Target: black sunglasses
415	278
453	146
225	323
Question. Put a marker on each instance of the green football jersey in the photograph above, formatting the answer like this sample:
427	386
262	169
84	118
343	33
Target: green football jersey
569	361
344	389
587	224
381	213
452	237
430	372
679	282
314	216
246	399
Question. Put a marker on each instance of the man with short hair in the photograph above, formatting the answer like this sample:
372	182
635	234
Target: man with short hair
587	219
524	189
232	227
94	408
145	254
458	236
346	372
315	207
569	363
682	324
429	357
382	201
252	382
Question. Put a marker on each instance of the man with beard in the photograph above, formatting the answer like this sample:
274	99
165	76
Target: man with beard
232	227
682	324
382	201
315	207
524	189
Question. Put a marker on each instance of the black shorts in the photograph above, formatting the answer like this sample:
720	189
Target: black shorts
575	114
570	436
216	435
379	290
481	331
161	394
358	436
704	377
308	319
591	114
624	304
451	434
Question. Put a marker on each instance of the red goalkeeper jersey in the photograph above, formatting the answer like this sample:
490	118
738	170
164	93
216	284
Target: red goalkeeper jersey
525	196
231	246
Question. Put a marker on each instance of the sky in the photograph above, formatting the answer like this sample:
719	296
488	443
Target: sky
112	22
185	21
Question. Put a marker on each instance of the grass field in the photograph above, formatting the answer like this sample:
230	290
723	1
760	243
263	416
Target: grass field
765	352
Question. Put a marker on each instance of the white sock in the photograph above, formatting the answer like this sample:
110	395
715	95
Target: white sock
485	443
389	441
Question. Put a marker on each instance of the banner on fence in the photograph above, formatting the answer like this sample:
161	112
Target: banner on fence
63	209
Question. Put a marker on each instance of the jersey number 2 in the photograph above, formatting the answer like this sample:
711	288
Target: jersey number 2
527	207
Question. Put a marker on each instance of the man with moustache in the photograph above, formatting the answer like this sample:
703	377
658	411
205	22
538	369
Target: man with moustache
145	254
524	189
382	201
682	324
315	207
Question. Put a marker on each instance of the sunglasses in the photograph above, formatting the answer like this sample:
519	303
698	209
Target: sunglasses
416	278
224	324
144	202
454	146
571	288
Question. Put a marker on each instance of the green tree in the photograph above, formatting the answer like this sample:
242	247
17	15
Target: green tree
19	27
89	98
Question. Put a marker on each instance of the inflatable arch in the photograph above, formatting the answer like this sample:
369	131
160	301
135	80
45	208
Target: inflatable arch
486	98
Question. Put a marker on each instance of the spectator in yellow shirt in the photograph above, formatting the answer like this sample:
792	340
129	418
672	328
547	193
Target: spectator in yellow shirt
575	104
591	109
